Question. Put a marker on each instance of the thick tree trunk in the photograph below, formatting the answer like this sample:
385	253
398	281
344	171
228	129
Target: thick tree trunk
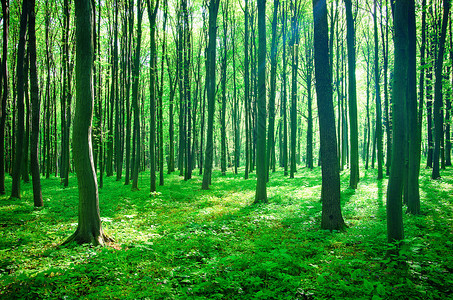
223	163
89	228
395	231
261	195
294	75
330	194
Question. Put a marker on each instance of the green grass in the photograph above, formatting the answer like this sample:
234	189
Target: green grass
186	243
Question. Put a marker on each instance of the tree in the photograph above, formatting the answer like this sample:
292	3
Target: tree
4	92
135	106
35	103
152	13
15	190
223	138
261	195
330	194
210	86
353	126
89	228
294	75
379	134
270	154
395	231
438	100
412	195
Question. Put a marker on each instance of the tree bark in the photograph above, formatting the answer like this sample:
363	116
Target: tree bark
438	101
210	83
89	228
395	231
261	194
353	126
4	94
330	194
35	103
15	190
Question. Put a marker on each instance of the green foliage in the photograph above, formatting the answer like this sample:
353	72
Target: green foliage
186	243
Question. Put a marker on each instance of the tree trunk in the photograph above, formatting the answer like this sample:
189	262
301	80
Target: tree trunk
246	91
261	195
272	94
438	101
330	194
152	13
210	83
15	190
35	103
294	75
223	163
135	100
353	126
89	228
395	231
4	94
412	198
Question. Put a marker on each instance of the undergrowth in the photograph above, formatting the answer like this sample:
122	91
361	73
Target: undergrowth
187	243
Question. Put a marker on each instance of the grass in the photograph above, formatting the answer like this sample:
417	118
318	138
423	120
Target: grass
186	243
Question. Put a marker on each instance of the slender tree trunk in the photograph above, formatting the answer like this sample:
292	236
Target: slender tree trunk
379	134
261	194
448	100
152	13
35	103
353	124
294	75
272	94
246	91
4	94
438	101
330	194
15	190
210	83
283	110
135	107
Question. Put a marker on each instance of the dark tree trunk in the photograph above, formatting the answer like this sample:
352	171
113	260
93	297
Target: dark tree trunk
272	94
135	107
330	194
283	110
35	103
412	197
379	134
395	231
353	126
246	91
15	190
438	101
261	195
89	228
130	17
448	106
152	13
223	163
294	75
4	93
210	84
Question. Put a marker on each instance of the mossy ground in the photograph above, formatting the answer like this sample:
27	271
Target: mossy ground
187	243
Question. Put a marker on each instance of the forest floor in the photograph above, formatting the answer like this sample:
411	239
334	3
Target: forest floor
187	243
